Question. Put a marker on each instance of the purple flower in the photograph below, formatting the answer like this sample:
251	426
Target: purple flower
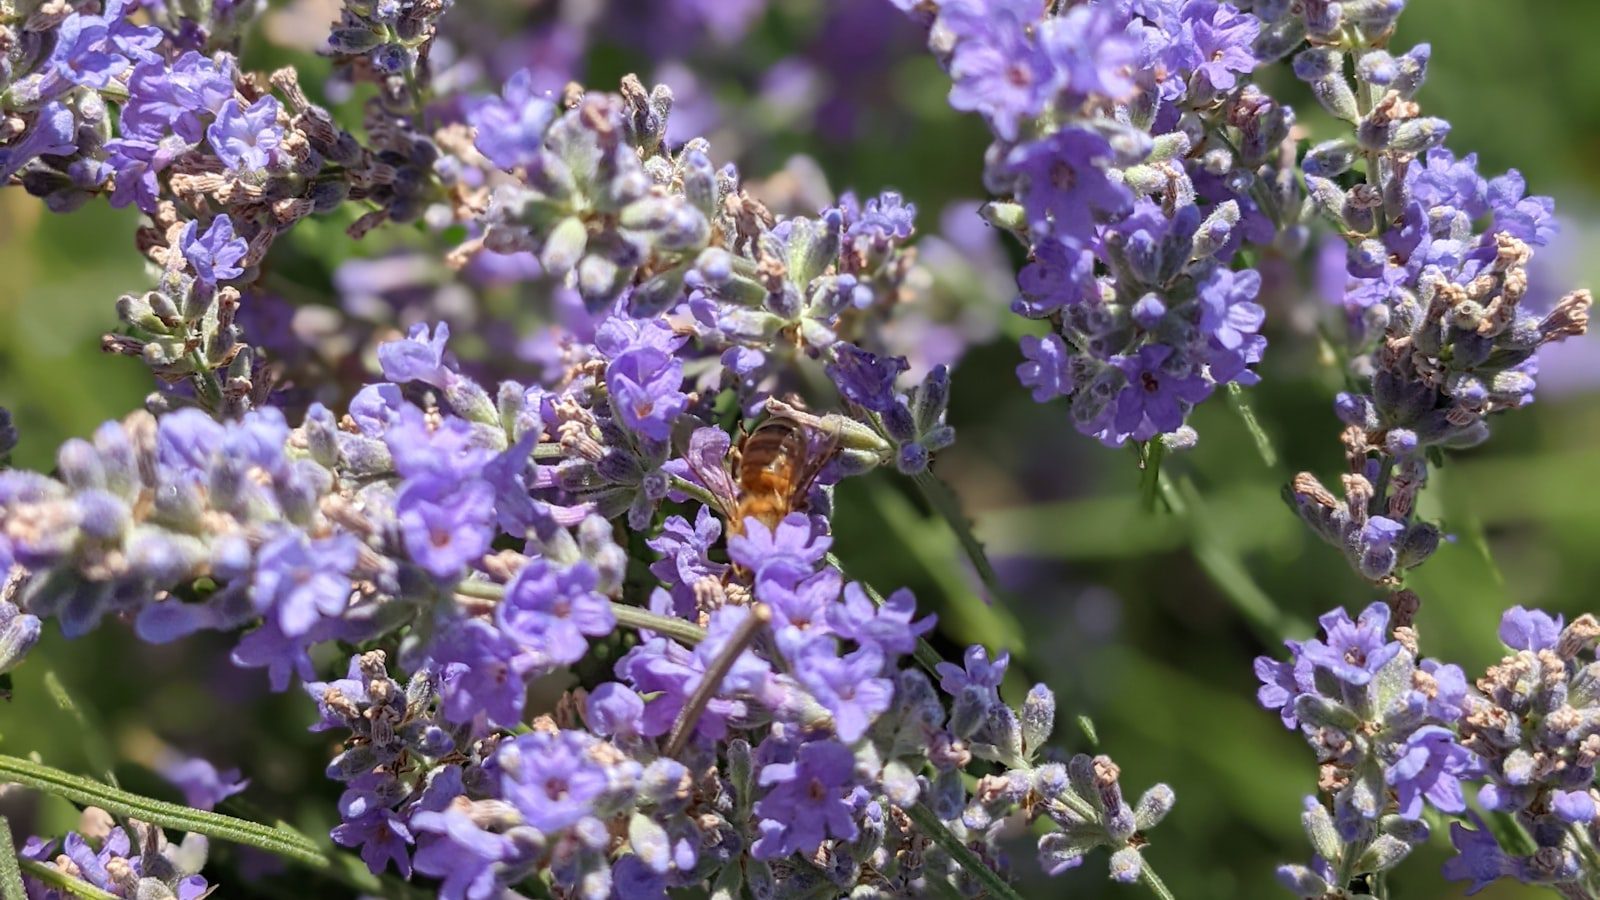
247	139
1048	368
1439	179
976	673
999	71
686	549
1229	313
614	710
849	687
1156	398
451	847
452	451
135	163
510	128
1430	766
298	581
865	379
1060	274
1224	38
1478	858
280	654
1063	182
1091	54
882	221
888	627
799	602
1446	702
553	610
794	544
1529	629
481	672
1530	219
84	54
1353	651
420	356
215	255
165	101
551	778
1577	807
369	822
445	527
644	384
202	785
54	133
1282	682
1377	548
809	801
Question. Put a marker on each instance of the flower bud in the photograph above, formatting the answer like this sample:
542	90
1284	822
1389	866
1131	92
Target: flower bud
1303	882
1126	865
564	246
1330	159
19	631
1323	70
1038	718
1005	215
1321	711
1214	232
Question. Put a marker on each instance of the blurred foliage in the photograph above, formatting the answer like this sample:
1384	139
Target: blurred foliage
1143	622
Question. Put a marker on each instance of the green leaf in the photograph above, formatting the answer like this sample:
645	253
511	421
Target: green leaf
88	792
10	875
1086	725
56	878
1269	453
944	502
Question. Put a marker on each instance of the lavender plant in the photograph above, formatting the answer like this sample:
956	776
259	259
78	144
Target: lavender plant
593	638
1135	161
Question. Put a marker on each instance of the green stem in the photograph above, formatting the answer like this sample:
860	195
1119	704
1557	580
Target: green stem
961	853
944	502
928	657
205	382
627	616
1150	475
10	875
56	878
685	486
88	792
1154	882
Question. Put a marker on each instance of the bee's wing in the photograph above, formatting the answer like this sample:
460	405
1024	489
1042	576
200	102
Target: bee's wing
822	444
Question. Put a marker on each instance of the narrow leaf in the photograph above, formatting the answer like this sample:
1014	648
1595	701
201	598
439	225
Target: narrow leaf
56	878
10	873
1269	453
944	503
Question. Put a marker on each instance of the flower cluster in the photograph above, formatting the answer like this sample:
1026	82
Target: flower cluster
223	162
122	863
1437	272
1139	160
1534	724
766	721
1394	735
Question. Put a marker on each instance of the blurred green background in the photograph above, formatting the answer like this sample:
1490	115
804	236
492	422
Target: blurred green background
1146	624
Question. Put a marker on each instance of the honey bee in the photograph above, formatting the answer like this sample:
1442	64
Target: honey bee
772	471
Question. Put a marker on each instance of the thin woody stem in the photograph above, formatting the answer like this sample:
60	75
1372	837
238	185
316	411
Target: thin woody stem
688	717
